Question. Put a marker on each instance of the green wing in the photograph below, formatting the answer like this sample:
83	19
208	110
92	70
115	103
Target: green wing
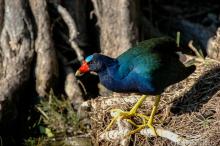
144	58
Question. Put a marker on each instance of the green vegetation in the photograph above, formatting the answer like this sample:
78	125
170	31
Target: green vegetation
57	122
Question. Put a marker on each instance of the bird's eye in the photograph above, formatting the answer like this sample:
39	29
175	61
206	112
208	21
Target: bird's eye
90	62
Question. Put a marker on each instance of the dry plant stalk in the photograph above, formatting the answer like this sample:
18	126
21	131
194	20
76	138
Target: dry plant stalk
73	33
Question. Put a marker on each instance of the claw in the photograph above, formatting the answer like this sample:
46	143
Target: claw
140	127
118	113
149	119
153	129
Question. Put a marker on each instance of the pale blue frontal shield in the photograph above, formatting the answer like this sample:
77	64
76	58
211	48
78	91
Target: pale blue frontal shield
89	58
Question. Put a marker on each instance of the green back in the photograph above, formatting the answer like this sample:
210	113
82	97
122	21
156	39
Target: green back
145	57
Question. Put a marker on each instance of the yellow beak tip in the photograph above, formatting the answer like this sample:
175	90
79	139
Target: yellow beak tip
78	73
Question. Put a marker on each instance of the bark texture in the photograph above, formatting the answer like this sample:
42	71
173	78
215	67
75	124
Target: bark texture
46	70
1	14
16	48
117	20
1	24
25	29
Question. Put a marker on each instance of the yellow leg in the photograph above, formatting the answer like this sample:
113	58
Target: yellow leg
138	104
150	121
139	127
112	122
154	110
132	112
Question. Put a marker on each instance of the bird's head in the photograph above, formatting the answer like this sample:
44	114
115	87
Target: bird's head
92	63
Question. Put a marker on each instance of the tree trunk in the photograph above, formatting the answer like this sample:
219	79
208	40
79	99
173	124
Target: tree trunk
118	22
16	48
46	70
22	39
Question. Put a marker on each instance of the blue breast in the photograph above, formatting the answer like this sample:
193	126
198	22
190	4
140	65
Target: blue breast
132	82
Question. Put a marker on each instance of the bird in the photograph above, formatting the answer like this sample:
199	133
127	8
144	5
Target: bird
147	68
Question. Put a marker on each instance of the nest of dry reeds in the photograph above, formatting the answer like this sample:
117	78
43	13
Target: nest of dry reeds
190	109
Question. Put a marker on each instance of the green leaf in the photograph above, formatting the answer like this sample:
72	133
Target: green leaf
46	131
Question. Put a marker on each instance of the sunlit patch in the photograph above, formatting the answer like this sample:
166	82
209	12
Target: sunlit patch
89	58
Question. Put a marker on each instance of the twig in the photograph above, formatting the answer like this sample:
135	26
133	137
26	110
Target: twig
97	11
73	33
83	87
178	39
200	57
212	60
195	50
42	112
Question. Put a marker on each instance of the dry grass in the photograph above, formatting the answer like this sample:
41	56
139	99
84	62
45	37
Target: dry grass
191	108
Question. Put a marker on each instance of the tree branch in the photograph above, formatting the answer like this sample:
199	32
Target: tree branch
73	33
97	11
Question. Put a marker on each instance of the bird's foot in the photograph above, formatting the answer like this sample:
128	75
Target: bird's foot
118	113
152	128
140	127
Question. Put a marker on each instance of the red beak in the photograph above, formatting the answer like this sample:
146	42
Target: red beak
83	69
